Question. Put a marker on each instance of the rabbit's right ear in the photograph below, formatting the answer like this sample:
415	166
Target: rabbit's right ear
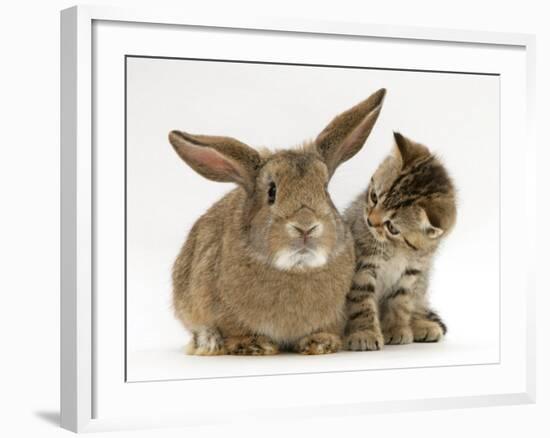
221	159
347	133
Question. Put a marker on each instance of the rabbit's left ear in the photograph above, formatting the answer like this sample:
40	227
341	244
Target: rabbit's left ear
221	159
347	133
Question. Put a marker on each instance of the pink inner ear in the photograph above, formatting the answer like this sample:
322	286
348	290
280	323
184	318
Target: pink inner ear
213	161
208	157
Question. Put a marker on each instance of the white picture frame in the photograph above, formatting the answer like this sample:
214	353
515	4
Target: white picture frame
94	392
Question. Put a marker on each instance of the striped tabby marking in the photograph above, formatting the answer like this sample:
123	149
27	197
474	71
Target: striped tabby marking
433	316
363	328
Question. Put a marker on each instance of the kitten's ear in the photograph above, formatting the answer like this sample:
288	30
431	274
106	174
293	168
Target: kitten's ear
221	159
409	150
432	231
437	217
346	134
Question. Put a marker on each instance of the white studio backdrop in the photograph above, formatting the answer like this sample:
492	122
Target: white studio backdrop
456	115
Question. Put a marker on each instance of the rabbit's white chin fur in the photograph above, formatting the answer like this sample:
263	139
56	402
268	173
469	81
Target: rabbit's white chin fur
287	259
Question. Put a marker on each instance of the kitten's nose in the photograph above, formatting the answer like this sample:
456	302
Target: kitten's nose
374	218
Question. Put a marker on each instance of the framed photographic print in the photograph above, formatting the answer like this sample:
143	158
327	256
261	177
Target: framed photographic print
257	208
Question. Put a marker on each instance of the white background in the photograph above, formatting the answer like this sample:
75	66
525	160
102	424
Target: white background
30	185
115	398
456	115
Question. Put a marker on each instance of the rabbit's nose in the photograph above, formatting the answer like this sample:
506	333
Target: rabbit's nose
305	231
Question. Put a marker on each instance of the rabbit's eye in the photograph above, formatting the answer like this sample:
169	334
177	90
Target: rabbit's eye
391	228
271	193
373	197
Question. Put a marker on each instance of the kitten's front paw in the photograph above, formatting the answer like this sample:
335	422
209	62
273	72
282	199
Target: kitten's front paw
319	343
427	331
398	335
365	340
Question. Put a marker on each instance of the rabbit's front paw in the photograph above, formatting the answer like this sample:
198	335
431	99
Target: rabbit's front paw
319	343
206	342
250	346
364	340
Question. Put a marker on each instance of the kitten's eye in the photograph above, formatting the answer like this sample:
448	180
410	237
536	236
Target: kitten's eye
391	228
373	196
271	193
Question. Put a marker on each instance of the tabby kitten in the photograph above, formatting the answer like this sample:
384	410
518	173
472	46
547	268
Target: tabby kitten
397	224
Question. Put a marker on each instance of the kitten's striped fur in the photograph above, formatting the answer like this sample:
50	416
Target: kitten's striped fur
397	224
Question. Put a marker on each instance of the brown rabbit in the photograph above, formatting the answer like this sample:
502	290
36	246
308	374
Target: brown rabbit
269	265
